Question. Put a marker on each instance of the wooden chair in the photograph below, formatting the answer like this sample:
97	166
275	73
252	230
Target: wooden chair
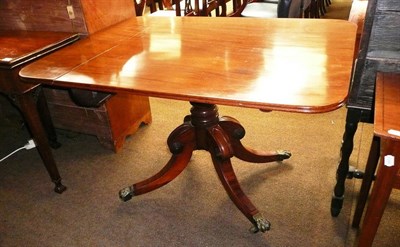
321	7
386	148
139	6
357	16
310	9
194	8
314	9
268	9
152	4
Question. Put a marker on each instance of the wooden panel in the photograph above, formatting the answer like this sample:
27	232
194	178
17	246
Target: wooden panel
126	113
103	13
389	5
385	36
357	16
387	111
61	96
90	15
362	92
380	51
35	15
111	123
10	82
66	115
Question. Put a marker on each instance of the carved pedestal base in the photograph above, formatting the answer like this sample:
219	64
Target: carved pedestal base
220	136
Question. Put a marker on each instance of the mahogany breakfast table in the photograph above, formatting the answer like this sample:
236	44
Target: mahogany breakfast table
17	49
270	64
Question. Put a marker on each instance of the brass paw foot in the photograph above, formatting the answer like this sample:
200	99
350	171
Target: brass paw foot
283	154
126	193
261	224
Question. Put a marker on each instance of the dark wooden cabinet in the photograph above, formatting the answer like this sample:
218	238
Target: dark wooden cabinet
379	52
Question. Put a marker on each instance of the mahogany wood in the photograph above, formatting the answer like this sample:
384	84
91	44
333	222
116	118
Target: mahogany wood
110	126
369	175
387	117
32	15
208	65
100	14
203	63
357	16
205	130
12	57
90	15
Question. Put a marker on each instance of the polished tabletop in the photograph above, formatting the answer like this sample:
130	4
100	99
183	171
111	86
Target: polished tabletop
19	47
387	111
299	65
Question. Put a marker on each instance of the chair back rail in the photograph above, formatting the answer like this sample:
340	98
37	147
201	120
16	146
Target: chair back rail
285	8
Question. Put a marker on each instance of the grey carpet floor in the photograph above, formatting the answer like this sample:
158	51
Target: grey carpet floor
192	210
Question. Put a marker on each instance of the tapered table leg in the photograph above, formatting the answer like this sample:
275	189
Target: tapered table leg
47	122
372	162
380	194
28	108
220	136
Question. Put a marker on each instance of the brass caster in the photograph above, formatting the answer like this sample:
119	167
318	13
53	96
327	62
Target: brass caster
59	188
126	193
284	154
261	224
